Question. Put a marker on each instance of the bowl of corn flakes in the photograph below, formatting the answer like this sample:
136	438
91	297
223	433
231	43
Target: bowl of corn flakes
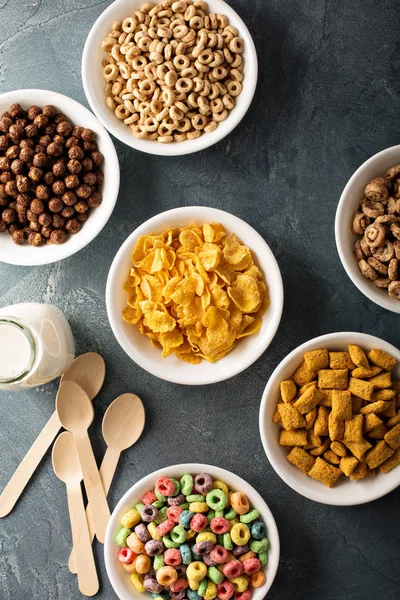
330	419
194	295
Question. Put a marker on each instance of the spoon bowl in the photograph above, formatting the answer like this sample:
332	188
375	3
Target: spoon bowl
123	422
88	371
65	459
74	407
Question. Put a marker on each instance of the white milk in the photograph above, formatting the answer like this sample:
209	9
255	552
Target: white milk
36	345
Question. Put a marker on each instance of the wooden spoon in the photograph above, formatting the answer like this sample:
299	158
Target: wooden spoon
123	424
88	370
76	414
67	468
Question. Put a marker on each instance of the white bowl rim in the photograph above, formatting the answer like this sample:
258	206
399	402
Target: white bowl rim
177	148
64	250
369	494
365	286
155	222
215	472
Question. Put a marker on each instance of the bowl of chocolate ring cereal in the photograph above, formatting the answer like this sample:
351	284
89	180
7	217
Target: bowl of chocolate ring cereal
367	228
170	77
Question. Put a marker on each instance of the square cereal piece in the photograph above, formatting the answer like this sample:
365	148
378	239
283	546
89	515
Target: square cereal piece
305	387
340	360
291	418
353	429
348	464
324	472
385	395
339	449
313	441
321	449
390	463
390	411
382	359
359	472
363	373
310	418
298	437
331	457
342	407
375	407
392	438
359	448
317	359
334	379
370	422
336	428
382	381
358	356
302	375
300	459
308	400
393	421
379	432
326	399
321	422
356	404
379	454
360	388
277	415
288	390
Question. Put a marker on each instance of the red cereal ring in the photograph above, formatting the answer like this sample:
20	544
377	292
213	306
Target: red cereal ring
174	512
251	565
246	595
233	568
219	555
179	585
172	557
149	497
165	527
165	486
126	556
225	590
198	522
219	525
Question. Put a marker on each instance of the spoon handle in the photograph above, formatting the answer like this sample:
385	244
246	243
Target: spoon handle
93	485
28	465
107	470
88	582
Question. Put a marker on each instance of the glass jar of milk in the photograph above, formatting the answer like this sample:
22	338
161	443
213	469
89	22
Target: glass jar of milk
36	345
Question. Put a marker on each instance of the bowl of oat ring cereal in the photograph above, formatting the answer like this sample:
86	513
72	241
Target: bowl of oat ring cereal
170	77
367	228
58	169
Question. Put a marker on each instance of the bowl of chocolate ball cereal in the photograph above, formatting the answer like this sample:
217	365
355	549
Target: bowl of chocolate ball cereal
58	169
367	228
170	77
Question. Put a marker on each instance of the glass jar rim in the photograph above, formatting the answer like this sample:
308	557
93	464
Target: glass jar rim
32	345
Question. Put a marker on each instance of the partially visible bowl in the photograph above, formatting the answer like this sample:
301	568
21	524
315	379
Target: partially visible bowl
120	580
375	166
345	492
139	348
93	82
78	115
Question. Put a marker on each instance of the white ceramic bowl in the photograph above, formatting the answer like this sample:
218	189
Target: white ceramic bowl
375	166
93	82
120	579
139	348
78	115
345	492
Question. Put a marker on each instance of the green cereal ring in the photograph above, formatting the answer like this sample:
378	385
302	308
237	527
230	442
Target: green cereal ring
186	484
139	507
202	587
263	558
160	496
210	515
231	514
177	486
219	513
168	542
121	536
220	539
162	515
259	546
178	534
158	504
216	499
214	575
195	498
227	541
252	515
184	506
158	562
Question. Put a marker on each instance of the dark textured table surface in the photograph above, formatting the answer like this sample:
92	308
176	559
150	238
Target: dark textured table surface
328	98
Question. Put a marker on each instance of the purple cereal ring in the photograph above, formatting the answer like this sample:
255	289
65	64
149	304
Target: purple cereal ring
203	482
208	560
142	533
239	550
149	513
177	500
152	585
177	595
203	548
151	573
154	547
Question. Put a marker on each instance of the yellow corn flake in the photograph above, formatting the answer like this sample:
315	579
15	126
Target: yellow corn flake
245	293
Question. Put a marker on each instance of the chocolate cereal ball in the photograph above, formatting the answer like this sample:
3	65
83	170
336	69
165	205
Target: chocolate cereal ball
49	110
35	174
60	168
67	212
72	225
26	154
11	188
42	192
76	152
54	149
40	160
64	128
81	206
49	178
4	163
97	158
82	217
46	231
59	188
83	191
16	132
13	152
69	198
35	239
41	121
90	178
87	164
15	110
31	130
3	226
17	166
35	226
18	237
45	219
56	205
5	176
32	112
58	236
74	166
37	207
94	200
23	183
58	221
9	215
4	142
72	181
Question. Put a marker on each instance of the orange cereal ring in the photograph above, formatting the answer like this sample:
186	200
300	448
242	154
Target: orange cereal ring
166	576
142	564
240	503
258	579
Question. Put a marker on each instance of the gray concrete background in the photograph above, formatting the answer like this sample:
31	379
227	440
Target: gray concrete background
328	98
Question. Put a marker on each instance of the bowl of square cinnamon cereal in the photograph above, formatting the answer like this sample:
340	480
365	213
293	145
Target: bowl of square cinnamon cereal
330	419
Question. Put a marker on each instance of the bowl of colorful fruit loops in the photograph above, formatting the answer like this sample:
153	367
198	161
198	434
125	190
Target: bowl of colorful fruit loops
190	532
